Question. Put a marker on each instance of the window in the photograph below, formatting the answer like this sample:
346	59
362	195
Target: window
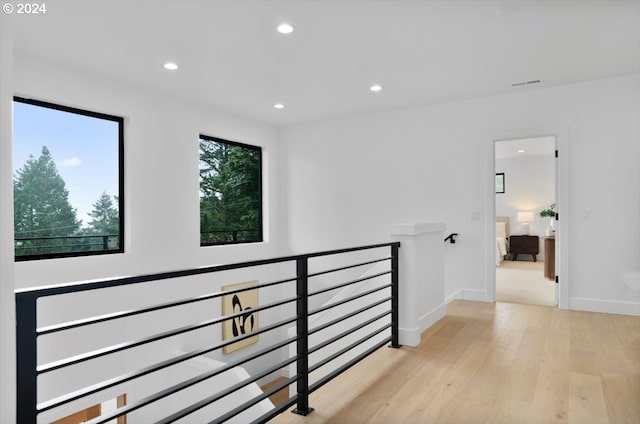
500	182
67	182
230	192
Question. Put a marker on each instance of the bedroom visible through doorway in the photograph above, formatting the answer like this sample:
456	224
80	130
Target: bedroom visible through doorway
525	220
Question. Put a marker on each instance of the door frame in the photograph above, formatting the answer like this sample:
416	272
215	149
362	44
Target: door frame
562	206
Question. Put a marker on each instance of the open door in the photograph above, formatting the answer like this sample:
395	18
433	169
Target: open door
556	256
526	185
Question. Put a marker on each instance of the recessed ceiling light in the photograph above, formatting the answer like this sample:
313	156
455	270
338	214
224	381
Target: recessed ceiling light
285	28
375	88
170	66
279	106
520	151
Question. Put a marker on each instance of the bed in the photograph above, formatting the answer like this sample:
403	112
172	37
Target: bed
502	238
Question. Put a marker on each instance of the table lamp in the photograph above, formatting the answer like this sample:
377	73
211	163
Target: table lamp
525	218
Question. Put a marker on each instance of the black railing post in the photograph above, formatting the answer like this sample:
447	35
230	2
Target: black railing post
26	359
395	297
302	312
105	242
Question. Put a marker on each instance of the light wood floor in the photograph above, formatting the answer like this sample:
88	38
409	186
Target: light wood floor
495	363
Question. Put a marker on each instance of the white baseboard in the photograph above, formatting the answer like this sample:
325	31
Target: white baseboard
456	295
412	336
579	304
431	317
409	336
471	294
606	306
468	294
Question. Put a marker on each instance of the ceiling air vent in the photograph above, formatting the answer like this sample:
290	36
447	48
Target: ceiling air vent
519	84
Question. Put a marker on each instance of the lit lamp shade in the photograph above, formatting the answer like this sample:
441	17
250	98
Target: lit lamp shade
525	217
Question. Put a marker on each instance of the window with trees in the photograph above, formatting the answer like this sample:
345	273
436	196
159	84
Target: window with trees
230	192
67	182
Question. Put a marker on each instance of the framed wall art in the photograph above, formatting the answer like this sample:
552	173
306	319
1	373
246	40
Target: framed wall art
247	322
500	182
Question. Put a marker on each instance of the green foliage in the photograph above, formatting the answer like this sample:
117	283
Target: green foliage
550	213
41	206
229	193
105	219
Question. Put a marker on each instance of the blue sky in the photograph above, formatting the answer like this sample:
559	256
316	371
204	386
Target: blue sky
85	150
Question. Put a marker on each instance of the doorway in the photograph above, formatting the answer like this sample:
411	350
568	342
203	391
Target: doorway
525	204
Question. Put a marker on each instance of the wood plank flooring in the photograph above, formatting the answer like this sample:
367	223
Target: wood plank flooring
495	363
281	395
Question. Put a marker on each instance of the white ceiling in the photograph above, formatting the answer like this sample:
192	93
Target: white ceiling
526	147
421	52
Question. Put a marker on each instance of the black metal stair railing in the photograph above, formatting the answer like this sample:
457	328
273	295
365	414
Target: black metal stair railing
451	238
29	371
27	246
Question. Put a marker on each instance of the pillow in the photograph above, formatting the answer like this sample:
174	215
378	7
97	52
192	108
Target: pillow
501	229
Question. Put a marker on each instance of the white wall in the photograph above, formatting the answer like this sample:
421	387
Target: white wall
348	179
162	220
530	186
7	302
154	412
344	182
161	175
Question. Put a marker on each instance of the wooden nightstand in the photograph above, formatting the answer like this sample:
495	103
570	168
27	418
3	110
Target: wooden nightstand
550	258
526	245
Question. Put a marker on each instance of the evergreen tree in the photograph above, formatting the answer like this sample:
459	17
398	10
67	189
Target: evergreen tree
229	193
105	219
243	185
41	205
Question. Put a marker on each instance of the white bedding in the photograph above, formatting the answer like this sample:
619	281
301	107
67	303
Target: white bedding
501	242
501	249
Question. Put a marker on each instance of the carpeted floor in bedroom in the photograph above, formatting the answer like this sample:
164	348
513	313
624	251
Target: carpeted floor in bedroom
524	282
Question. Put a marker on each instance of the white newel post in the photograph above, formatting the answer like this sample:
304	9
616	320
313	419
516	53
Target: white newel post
421	278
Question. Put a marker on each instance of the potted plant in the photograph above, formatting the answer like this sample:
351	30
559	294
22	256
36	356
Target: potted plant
550	213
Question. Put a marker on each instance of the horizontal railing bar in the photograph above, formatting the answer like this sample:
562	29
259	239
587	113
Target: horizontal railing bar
349	267
243	230
123	314
248	404
348	348
351	314
31	295
351	249
276	411
56	246
348	299
65	288
131	344
150	399
208	400
197	379
348	365
53	403
348	332
348	283
64	237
